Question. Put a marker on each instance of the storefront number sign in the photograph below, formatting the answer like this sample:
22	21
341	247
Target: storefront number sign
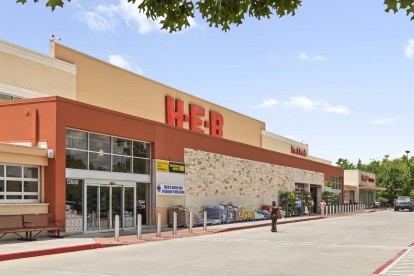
174	116
72	181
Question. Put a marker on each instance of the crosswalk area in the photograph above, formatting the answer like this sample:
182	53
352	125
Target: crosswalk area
404	265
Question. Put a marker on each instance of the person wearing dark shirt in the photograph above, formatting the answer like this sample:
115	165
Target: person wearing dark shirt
273	215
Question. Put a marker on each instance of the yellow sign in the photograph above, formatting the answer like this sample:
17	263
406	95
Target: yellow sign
177	167
162	166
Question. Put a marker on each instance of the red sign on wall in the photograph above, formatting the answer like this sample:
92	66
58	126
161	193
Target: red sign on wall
174	116
298	151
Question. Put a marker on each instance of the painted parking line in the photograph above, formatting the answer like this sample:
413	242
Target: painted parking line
401	264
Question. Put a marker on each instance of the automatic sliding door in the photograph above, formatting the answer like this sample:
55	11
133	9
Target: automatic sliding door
104	212
129	207
117	205
92	208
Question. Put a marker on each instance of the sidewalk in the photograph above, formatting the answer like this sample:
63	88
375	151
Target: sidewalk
14	249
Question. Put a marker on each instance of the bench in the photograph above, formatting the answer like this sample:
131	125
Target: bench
14	224
43	222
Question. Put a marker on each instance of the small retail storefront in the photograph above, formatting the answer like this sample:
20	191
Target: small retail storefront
360	187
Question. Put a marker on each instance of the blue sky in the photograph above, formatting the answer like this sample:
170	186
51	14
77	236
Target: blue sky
339	75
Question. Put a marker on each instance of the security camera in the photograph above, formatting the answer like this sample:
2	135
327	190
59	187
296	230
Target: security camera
54	38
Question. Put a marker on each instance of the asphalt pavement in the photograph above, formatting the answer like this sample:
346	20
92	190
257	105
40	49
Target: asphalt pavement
14	249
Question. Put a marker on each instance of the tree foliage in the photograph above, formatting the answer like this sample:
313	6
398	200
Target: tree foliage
174	15
397	175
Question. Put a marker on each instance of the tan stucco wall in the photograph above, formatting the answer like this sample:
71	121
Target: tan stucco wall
351	177
14	154
105	85
282	144
28	74
19	209
247	183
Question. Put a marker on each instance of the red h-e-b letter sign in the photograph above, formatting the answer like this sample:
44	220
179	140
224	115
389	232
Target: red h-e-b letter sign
216	124
174	116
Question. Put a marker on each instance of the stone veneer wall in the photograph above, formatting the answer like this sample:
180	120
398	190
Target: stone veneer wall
212	178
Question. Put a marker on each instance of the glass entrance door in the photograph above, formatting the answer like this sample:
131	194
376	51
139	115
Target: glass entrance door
104	202
104	210
117	205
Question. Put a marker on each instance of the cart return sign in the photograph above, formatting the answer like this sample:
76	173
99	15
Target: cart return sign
168	166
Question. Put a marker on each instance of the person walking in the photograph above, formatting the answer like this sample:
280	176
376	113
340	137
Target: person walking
274	215
299	207
323	204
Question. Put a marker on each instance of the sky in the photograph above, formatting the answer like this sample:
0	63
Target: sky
338	76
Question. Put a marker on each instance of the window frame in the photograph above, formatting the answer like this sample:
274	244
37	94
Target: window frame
4	179
112	139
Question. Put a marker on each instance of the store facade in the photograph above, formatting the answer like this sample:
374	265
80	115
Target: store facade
360	187
126	145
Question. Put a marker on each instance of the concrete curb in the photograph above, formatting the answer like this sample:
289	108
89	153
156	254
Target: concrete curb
49	251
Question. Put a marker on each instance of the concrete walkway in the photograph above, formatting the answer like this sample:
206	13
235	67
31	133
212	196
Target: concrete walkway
14	249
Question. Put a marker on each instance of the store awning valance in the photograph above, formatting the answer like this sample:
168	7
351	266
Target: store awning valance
371	188
350	187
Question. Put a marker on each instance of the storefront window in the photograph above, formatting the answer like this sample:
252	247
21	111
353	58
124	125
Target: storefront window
142	149
106	153
13	186
19	184
14	171
99	143
76	159
121	164
31	186
141	166
76	139
31	172
99	162
121	146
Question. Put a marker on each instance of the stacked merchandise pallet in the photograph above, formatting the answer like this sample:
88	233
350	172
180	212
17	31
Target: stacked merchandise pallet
247	215
265	213
238	213
258	216
230	213
183	216
215	214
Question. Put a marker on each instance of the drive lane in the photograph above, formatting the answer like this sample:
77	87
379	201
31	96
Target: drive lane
350	245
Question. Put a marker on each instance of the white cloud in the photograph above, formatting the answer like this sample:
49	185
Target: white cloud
98	21
409	49
304	57
268	103
107	17
340	109
307	104
301	103
125	63
381	122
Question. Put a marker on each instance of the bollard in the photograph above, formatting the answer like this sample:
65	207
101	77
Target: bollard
139	226
190	226
205	222
158	225
116	238
175	224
